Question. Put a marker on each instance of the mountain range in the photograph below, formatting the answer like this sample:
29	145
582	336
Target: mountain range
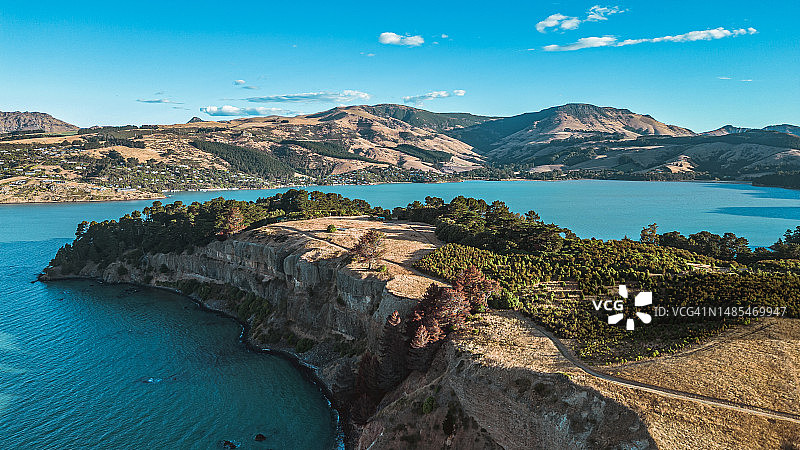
579	138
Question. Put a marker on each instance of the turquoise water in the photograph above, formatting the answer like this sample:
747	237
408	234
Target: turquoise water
591	208
76	357
91	366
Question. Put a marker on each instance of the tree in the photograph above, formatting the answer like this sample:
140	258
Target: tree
434	202
418	350
370	247
649	234
475	287
392	352
448	306
366	392
234	222
532	216
82	227
789	246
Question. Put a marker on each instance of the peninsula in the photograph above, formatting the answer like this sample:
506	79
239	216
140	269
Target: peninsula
464	325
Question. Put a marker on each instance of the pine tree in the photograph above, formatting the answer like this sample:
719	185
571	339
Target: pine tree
474	285
418	350
435	333
234	222
362	409
367	393
393	351
451	309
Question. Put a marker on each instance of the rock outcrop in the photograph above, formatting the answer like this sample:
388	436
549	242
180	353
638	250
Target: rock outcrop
28	121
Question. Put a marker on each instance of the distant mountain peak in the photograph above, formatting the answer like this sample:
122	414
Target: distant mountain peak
26	121
509	135
784	128
730	129
195	119
725	130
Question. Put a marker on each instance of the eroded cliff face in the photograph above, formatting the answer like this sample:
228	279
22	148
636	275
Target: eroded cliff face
312	290
467	400
472	397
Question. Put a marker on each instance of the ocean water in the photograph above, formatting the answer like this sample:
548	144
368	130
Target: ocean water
603	209
90	366
87	365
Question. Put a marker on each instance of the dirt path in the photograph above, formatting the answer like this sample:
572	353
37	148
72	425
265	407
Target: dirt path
673	393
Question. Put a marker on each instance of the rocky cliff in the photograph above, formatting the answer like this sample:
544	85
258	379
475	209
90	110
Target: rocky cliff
469	398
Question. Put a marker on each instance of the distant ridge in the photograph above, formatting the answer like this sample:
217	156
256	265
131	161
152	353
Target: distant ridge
29	121
725	130
575	120
784	128
730	129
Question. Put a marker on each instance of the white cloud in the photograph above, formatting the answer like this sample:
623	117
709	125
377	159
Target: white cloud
552	21
587	42
747	80
704	35
345	96
158	100
596	13
611	41
444	36
396	39
250	87
228	110
419	100
724	78
239	82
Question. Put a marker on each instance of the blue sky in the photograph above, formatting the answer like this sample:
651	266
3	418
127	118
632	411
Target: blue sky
161	62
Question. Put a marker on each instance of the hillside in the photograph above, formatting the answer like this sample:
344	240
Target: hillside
29	121
345	139
55	161
735	156
440	122
512	136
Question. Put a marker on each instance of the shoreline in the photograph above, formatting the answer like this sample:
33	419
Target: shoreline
169	194
54	202
344	431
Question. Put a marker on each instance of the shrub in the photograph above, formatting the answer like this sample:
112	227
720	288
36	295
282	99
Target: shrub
428	405
331	228
505	300
304	345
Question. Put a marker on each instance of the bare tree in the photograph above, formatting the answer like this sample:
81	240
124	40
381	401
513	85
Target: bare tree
370	247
